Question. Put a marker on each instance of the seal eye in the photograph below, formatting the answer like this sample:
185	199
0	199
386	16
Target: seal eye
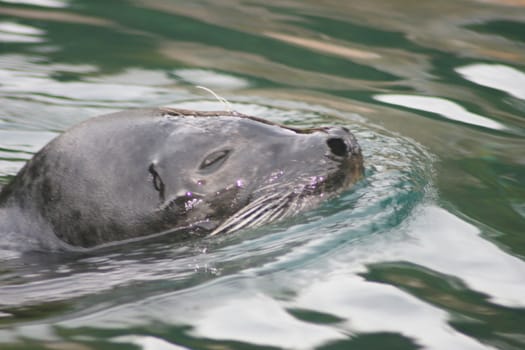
214	160
157	181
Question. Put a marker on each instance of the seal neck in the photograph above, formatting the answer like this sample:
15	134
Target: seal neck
22	232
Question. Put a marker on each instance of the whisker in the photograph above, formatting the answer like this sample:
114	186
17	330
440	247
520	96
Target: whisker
256	213
221	99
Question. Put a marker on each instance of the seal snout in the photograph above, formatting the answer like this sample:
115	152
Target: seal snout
341	142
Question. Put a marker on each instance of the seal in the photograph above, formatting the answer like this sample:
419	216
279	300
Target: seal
138	173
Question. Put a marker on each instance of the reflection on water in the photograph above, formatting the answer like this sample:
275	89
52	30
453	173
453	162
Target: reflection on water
43	3
427	251
210	79
18	33
442	107
496	76
332	297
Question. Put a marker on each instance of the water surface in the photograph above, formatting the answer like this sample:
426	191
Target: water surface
426	252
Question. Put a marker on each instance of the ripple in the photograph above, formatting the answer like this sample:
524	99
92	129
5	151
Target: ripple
368	307
11	32
211	79
496	76
40	3
147	342
443	107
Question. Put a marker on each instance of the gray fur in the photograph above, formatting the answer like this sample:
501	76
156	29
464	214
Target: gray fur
137	173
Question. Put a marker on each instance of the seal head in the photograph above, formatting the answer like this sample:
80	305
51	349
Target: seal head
137	173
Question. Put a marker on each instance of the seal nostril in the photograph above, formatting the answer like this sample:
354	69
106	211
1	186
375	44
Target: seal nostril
337	146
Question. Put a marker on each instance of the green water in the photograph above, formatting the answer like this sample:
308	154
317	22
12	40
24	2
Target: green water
427	252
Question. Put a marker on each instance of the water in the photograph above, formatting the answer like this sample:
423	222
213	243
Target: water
427	252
